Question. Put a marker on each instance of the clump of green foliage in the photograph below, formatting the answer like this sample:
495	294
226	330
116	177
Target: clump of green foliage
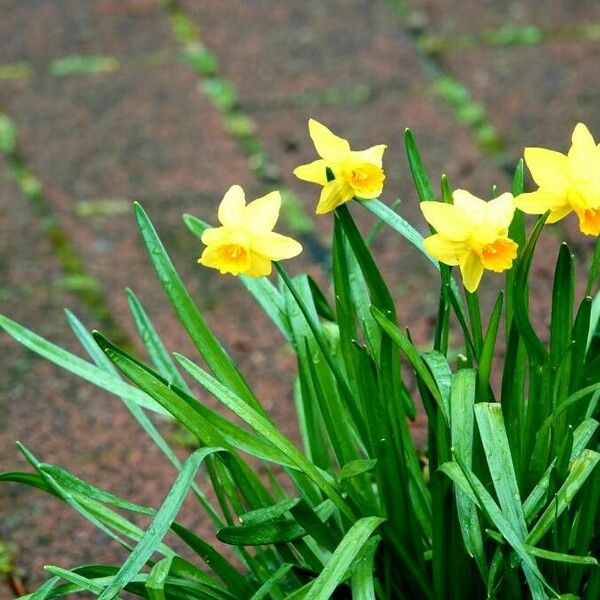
504	504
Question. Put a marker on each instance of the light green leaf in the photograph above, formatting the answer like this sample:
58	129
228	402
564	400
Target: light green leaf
155	585
462	400
160	524
189	315
264	590
499	460
336	569
264	428
78	366
579	471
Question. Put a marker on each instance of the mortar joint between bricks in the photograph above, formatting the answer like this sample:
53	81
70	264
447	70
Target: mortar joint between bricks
222	93
70	261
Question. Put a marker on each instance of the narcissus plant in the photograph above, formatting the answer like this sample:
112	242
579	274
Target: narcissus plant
472	234
567	183
246	243
355	172
502	502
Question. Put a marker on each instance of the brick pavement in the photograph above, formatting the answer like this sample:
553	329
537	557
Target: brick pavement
144	130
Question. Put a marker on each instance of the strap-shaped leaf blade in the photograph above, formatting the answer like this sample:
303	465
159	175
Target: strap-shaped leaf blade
192	320
160	524
78	366
265	429
336	569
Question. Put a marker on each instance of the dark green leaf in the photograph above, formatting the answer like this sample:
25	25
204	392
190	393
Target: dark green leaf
189	315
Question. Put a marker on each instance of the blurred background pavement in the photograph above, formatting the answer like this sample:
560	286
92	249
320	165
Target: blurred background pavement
103	102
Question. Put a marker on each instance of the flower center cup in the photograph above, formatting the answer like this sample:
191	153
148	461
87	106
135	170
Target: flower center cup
498	255
232	258
365	178
590	221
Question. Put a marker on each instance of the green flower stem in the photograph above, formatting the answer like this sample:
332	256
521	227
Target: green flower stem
345	391
475	319
592	279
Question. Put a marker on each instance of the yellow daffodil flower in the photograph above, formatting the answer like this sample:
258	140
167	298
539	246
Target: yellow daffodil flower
472	234
246	243
566	183
357	172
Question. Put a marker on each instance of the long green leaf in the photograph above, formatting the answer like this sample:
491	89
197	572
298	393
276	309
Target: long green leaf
216	561
561	557
487	351
417	168
399	225
78	366
157	578
160	524
189	315
411	353
561	322
74	485
264	590
264	428
579	472
336	569
362	582
154	346
535	348
210	427
462	400
83	583
44	591
534	577
99	357
499	460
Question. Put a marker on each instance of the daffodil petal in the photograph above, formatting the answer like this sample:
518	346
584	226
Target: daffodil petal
444	250
500	210
231	209
372	155
582	138
548	168
260	266
471	269
214	236
215	258
328	145
275	246
262	213
448	220
333	194
315	172
582	157
537	203
558	213
468	203
589	221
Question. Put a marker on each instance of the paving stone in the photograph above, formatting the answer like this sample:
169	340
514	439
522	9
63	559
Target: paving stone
121	137
534	95
156	141
68	422
59	418
272	50
38	32
447	17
